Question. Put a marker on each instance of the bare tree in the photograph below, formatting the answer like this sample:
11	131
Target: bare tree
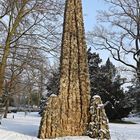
31	23
23	72
119	32
36	73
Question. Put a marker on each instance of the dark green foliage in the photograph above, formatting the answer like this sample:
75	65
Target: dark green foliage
106	83
123	122
42	104
53	82
2	103
52	87
133	95
34	99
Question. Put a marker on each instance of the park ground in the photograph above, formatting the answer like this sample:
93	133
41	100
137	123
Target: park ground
19	126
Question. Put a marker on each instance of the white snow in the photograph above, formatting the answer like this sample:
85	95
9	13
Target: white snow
26	128
125	131
96	96
21	127
100	106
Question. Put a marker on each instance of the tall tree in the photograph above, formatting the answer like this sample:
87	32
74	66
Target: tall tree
133	95
27	23
106	83
67	114
119	31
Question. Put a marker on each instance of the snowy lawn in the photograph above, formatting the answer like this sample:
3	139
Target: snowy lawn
26	128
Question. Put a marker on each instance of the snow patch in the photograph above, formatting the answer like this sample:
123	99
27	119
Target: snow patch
26	128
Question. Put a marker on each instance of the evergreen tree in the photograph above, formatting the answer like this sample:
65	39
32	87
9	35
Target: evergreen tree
133	95
106	83
53	82
52	87
43	102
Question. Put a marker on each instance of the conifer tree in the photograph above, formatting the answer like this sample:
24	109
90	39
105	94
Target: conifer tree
106	83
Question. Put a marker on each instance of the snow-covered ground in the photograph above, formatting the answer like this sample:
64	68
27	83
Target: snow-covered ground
26	128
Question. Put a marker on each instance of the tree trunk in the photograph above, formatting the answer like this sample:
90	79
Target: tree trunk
6	108
138	71
138	97
11	31
1	109
67	114
2	68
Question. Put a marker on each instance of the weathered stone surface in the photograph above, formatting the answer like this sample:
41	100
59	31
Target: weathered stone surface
68	113
98	125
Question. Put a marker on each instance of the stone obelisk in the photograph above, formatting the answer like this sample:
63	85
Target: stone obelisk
67	114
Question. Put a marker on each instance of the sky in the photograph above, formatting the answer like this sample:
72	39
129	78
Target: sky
89	12
90	8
